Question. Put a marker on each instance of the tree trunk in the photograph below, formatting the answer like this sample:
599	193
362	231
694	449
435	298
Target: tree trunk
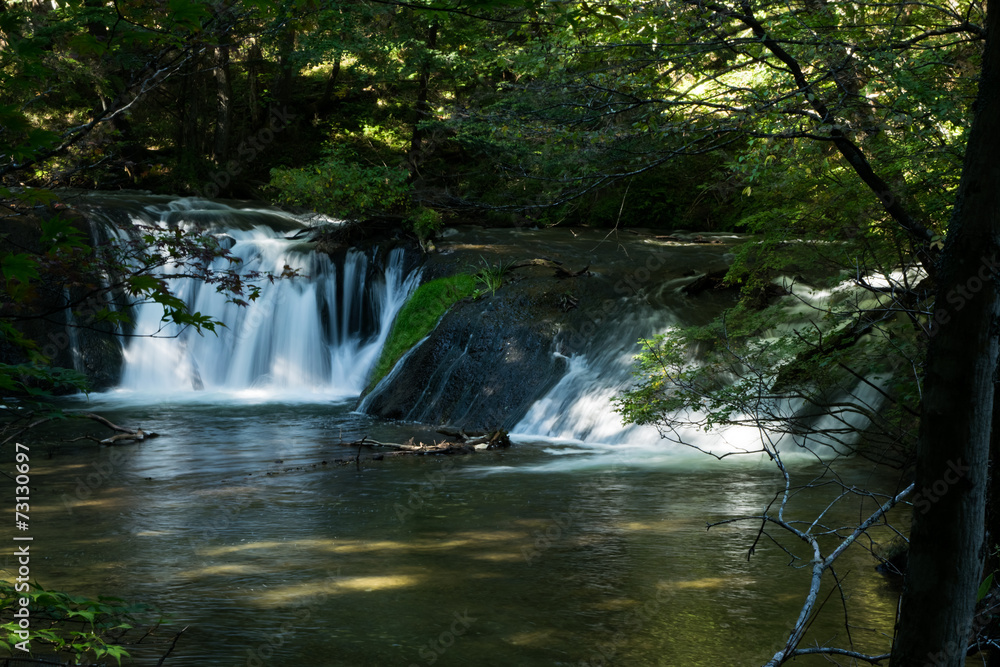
422	107
223	104
992	562
947	536
253	65
330	83
286	70
191	140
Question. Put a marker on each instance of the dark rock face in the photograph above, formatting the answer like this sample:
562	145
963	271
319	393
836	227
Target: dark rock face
481	368
100	357
70	337
570	292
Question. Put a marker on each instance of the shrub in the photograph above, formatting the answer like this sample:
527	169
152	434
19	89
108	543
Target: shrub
342	188
425	222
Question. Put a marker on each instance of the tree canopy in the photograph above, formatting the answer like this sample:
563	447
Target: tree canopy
834	134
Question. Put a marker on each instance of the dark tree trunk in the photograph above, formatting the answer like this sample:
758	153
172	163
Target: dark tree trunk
223	104
190	143
422	107
947	536
286	70
330	83
992	563
254	61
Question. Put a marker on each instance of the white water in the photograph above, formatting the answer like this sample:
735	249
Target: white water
316	338
577	420
305	338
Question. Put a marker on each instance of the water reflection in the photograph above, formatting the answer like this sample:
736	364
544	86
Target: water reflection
230	523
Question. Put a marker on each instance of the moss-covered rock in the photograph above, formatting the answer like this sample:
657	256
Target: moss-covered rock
418	318
481	367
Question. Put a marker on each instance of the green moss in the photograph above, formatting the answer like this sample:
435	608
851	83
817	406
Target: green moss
419	317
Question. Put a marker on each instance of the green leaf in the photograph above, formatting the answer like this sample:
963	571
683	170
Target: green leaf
187	12
84	613
62	234
21	267
984	588
86	43
144	283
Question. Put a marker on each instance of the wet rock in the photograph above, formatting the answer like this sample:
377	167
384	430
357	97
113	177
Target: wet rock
565	293
484	364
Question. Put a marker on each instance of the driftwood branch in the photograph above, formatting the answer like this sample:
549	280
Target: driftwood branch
820	565
494	440
123	434
172	645
560	270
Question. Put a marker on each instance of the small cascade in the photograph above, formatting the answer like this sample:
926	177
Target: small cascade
579	408
316	335
577	416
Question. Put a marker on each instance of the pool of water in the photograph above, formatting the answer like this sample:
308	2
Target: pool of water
240	524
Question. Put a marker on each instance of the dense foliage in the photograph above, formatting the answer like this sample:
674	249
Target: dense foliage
677	113
833	133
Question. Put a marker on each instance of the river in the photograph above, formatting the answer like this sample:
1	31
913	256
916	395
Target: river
232	524
250	524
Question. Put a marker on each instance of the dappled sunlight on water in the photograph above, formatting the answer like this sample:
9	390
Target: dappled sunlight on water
368	564
286	595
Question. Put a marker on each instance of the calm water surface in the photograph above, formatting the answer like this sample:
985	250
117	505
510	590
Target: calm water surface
545	554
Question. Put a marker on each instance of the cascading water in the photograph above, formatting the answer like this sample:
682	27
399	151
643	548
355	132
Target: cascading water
365	553
577	415
579	408
314	335
318	336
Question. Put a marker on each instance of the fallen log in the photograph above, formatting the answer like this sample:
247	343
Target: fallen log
136	436
460	433
494	440
563	273
124	434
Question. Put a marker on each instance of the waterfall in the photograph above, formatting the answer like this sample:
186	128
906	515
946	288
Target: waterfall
576	416
316	335
578	408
